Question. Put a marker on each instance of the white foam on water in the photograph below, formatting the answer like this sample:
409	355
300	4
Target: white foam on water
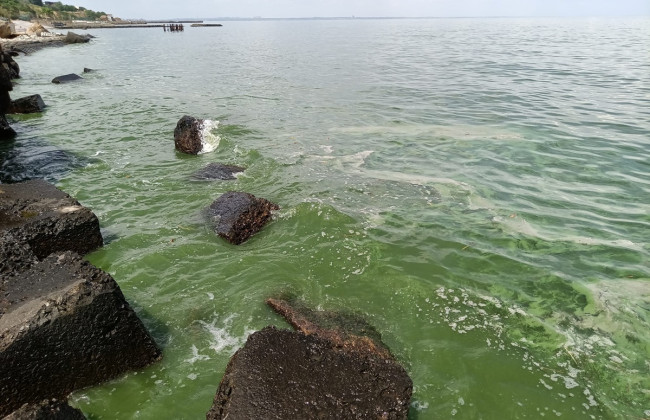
327	148
196	356
223	341
209	140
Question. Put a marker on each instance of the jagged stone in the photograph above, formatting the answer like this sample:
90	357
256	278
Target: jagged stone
47	219
67	326
37	29
218	171
6	132
49	409
9	64
27	105
240	215
66	78
284	374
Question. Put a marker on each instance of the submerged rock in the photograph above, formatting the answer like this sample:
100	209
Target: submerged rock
27	105
49	409
47	219
189	135
240	215
66	78
66	326
218	171
343	330
285	374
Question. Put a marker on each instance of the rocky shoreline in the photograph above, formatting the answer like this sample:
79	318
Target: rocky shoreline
65	324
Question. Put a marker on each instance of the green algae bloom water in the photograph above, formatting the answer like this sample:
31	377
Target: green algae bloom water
477	189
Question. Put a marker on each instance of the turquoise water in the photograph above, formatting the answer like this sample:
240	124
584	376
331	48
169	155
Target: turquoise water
478	189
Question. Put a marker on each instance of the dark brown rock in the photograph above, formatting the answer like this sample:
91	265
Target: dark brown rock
8	63
49	409
6	132
188	135
27	105
8	70
281	374
47	219
240	215
67	326
66	78
218	171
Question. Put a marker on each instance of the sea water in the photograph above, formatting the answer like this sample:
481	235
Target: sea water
477	189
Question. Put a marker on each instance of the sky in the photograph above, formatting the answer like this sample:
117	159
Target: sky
156	9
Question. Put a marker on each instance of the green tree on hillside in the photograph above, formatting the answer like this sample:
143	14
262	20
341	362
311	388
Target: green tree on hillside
30	9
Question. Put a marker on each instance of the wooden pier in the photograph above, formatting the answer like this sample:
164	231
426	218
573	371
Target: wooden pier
173	27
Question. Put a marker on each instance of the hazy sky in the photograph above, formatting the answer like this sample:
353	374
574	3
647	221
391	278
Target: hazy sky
152	9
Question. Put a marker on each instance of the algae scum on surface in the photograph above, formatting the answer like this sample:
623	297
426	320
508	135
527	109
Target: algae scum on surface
479	194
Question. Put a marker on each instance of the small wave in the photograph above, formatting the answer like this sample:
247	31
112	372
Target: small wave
460	132
209	140
196	356
223	341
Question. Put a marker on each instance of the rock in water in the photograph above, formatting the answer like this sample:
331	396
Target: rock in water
240	215
66	78
6	132
218	171
67	327
47	219
73	38
27	105
9	64
47	410
189	135
290	375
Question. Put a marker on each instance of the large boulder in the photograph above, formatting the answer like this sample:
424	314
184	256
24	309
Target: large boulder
290	375
27	105
47	219
66	78
49	409
7	29
218	171
73	38
239	215
188	135
36	29
67	326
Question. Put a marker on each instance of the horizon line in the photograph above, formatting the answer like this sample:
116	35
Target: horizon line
251	18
